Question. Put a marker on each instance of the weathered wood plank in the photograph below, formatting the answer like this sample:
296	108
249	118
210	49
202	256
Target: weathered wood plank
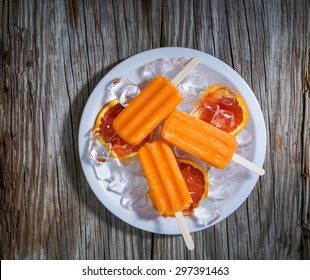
53	53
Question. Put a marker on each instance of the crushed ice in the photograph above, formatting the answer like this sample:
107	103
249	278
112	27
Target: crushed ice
126	179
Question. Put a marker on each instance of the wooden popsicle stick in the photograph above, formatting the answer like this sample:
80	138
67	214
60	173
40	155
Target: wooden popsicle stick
185	71
248	164
184	230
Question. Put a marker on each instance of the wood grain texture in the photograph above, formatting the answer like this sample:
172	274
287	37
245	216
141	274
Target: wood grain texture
53	53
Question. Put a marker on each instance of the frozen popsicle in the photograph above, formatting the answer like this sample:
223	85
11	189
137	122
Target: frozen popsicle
154	103
167	188
203	140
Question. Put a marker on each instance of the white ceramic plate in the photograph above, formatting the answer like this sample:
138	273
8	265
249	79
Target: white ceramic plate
219	72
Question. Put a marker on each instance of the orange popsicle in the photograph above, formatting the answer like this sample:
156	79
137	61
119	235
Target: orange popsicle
154	103
203	140
199	138
168	190
147	110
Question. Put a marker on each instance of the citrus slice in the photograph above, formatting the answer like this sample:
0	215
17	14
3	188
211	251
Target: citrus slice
222	107
196	179
107	136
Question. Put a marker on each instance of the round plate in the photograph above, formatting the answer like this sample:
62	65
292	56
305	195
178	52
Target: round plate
218	72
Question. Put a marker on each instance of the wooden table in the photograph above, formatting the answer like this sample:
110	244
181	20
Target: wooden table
53	53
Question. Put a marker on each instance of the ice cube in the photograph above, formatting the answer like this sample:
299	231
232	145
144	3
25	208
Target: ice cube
192	88
117	180
99	156
219	184
98	152
244	138
124	90
168	67
194	84
136	190
207	213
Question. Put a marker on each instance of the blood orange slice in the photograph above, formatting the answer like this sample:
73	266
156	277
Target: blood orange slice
107	136
196	179
222	107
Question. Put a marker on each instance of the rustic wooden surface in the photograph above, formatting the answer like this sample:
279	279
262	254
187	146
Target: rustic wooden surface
53	53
